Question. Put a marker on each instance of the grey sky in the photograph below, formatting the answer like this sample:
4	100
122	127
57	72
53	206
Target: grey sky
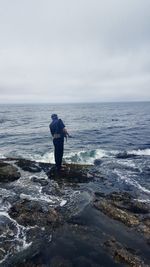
74	51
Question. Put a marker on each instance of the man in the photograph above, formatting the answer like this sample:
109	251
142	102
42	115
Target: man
58	132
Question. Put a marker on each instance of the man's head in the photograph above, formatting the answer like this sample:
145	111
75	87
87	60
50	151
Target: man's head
54	116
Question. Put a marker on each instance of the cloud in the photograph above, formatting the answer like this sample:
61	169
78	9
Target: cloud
74	51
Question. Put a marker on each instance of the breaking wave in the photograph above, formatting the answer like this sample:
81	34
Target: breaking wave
81	157
140	152
133	153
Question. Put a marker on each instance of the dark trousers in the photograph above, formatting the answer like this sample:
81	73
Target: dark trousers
58	151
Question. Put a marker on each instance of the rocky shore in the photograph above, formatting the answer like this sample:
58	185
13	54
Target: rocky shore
110	229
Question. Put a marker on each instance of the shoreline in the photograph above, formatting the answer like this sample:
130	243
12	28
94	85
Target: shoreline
112	229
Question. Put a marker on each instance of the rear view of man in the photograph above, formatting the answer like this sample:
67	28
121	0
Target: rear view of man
58	132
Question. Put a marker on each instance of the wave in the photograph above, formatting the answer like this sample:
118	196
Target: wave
48	157
133	153
80	157
140	152
85	157
2	156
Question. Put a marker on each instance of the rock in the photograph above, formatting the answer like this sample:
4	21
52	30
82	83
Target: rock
45	166
125	201
123	207
28	165
85	262
74	173
138	207
119	196
97	162
122	254
125	155
30	213
116	213
59	261
30	265
145	227
41	181
8	172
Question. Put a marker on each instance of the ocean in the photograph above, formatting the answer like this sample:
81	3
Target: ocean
114	138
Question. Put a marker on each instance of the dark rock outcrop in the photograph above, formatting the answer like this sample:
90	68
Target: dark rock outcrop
125	155
30	213
116	213
28	165
73	173
122	254
41	181
122	207
8	172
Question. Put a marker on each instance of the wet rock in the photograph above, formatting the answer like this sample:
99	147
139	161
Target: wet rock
30	264
28	165
97	162
8	173
59	261
116	213
30	213
119	196
145	227
138	207
123	255
84	262
41	181
125	201
123	207
45	166
74	173
125	155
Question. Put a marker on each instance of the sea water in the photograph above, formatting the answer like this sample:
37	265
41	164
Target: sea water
117	134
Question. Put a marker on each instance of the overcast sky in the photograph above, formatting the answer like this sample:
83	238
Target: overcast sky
74	50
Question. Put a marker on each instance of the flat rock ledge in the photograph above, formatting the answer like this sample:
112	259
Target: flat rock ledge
122	254
124	208
31	213
74	173
70	173
8	172
28	165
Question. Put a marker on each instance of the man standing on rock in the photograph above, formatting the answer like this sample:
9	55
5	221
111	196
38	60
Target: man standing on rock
58	132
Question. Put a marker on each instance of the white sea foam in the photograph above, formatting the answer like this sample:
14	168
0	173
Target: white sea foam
131	181
18	236
87	156
48	157
143	200
52	200
81	157
2	156
129	164
140	152
63	202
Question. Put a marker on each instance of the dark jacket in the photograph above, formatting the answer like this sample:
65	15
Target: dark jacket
56	128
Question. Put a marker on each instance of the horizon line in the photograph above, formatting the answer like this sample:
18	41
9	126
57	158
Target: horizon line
61	103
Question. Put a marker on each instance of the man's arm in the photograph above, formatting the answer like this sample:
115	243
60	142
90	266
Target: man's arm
66	132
